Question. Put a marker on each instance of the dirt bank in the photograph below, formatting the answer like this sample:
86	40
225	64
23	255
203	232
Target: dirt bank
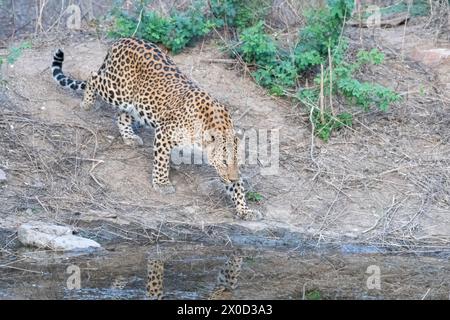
385	182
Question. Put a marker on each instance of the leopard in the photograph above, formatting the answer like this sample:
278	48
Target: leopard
226	281
148	89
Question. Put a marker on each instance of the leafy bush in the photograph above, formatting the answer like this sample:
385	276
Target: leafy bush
275	68
124	26
16	52
154	27
175	31
250	12
364	94
324	129
256	46
278	71
253	196
183	27
224	12
239	13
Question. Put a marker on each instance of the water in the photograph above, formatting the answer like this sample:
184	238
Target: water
282	267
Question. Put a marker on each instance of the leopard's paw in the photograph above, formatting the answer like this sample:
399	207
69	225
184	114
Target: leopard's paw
134	141
86	105
250	215
164	188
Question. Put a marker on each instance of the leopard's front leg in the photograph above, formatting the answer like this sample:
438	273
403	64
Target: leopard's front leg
125	123
161	163
237	194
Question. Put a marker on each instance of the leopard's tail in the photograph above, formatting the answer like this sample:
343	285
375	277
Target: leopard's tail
60	77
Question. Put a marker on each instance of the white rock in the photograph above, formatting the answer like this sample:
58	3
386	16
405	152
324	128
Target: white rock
54	237
431	57
2	175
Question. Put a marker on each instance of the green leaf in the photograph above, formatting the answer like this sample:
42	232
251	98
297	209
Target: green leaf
253	196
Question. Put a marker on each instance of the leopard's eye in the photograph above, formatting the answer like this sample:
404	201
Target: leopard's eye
224	162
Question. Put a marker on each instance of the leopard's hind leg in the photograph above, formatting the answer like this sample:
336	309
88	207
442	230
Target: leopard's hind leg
155	275
90	92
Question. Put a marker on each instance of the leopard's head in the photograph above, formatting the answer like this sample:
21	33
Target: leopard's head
221	147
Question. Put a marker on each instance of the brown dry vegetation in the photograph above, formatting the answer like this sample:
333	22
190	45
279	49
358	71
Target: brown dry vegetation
385	181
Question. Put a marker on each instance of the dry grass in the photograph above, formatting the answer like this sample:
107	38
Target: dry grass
398	162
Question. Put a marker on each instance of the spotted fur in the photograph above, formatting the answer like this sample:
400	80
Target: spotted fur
145	85
227	279
155	275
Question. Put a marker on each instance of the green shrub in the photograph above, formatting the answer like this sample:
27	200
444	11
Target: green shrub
175	31
256	46
14	53
364	94
124	25
313	295
250	12
322	31
253	196
186	26
154	27
224	12
276	69
239	13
